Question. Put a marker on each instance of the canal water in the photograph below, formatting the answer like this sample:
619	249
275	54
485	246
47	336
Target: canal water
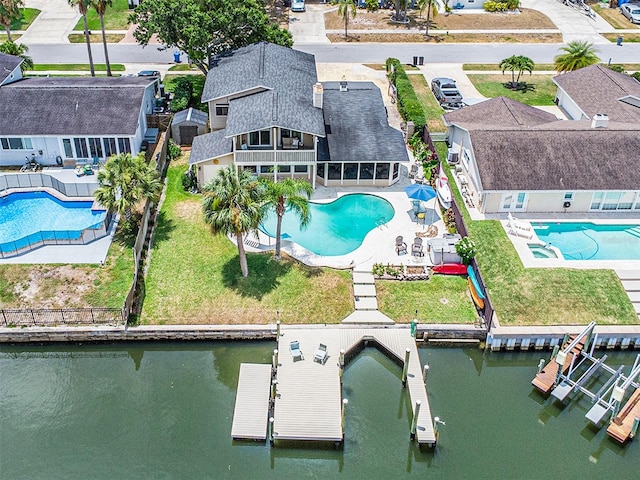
164	411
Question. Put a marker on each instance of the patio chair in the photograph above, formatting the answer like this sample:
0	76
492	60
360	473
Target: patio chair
416	248
321	354
517	225
296	353
401	247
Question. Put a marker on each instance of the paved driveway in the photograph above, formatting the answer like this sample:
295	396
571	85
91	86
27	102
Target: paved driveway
308	27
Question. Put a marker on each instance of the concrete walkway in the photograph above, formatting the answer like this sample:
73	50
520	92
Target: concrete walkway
56	20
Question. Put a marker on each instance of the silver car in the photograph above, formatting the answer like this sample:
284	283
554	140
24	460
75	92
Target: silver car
446	91
631	11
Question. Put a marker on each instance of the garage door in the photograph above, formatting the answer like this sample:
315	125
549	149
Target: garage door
187	134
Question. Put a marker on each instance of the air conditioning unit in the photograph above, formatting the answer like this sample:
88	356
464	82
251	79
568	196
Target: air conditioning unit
567	204
453	157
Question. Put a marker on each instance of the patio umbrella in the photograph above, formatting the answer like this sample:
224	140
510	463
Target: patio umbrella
418	191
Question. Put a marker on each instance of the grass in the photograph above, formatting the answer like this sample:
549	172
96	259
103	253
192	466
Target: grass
362	37
492	67
69	286
95	38
541	296
3	37
626	37
537	90
432	108
115	18
75	67
441	299
194	276
614	17
182	67
28	16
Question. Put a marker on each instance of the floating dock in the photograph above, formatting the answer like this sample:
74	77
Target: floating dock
622	426
251	412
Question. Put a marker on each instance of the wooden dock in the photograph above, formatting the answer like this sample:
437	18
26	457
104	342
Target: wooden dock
251	412
621	426
546	379
308	405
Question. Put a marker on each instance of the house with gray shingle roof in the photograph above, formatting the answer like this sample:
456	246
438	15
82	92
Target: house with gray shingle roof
516	158
269	114
60	120
9	68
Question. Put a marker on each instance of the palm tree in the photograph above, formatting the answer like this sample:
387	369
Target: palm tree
83	8
518	63
578	54
100	7
291	194
432	11
125	181
232	205
346	8
17	50
10	11
401	10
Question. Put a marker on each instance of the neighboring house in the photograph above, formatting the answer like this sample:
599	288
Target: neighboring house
516	158
9	68
270	115
62	120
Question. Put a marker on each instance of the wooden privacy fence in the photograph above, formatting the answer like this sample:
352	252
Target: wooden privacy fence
50	317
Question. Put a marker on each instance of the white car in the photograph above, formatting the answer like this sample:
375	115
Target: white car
631	11
297	6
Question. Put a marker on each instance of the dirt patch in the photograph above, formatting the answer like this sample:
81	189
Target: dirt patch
188	210
452	38
526	19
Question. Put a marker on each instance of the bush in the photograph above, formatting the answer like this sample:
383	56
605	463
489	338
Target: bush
189	181
182	94
491	6
372	5
636	75
409	106
173	151
466	249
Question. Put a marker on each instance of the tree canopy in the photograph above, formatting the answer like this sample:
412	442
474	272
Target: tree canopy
10	11
517	63
17	50
205	28
346	8
578	54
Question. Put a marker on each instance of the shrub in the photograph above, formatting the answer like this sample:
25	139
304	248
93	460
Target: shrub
466	249
173	151
491	6
409	106
182	94
449	220
636	75
189	181
372	5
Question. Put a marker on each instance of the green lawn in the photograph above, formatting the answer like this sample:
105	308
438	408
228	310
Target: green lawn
75	67
194	277
116	17
482	67
540	89
541	296
95	38
28	16
441	299
432	108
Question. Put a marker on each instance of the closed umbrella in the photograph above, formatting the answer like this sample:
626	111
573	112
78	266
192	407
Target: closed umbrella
418	191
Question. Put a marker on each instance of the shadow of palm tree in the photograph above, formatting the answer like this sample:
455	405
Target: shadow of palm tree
264	275
522	87
164	227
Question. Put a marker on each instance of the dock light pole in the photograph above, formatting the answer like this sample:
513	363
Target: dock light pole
277	329
540	365
405	368
271	420
436	430
414	422
425	372
345	402
561	358
275	359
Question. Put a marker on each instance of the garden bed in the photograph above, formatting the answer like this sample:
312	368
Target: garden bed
401	272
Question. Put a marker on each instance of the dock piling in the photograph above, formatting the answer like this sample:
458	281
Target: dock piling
540	365
271	440
274	389
405	368
278	329
425	372
275	358
345	402
414	422
634	428
561	358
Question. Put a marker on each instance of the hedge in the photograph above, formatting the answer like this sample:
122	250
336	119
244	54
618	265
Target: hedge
182	94
408	104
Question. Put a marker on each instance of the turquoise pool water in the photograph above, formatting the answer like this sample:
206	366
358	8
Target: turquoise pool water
589	241
28	217
539	251
336	228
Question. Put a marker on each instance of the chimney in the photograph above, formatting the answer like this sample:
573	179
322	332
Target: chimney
600	120
318	95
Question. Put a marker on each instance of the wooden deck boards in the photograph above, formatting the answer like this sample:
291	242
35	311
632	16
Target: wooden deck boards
251	412
545	380
620	427
309	401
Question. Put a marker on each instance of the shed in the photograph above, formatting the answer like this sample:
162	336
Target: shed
186	124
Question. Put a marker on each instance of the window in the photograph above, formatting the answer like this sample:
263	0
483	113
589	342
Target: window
350	171
260	138
321	170
251	168
95	147
382	171
396	170
222	109
596	200
68	151
466	161
300	169
568	196
614	201
520	200
16	144
335	171
124	145
366	171
266	169
284	168
286	133
81	147
109	147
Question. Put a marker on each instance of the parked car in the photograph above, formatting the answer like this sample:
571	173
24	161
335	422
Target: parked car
297	6
631	11
446	91
149	73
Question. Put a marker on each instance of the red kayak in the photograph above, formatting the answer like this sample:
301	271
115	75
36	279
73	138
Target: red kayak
450	269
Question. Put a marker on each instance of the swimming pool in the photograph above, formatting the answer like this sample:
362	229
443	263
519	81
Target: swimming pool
31	217
590	241
336	228
540	251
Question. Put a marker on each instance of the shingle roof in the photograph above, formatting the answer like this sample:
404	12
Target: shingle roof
284	79
549	158
358	125
190	115
598	89
210	145
72	106
8	63
498	111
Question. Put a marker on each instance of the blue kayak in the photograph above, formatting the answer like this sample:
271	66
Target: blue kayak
474	280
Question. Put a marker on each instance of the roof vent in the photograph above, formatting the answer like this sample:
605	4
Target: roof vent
600	120
318	95
343	86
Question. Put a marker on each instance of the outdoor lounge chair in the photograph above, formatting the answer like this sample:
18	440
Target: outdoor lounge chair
514	223
401	247
416	248
296	353
321	354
